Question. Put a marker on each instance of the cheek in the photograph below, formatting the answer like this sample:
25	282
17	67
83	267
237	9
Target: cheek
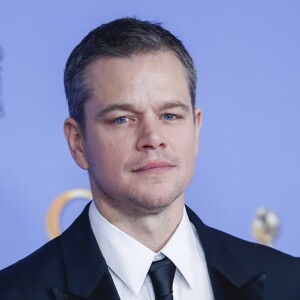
188	152
109	158
188	140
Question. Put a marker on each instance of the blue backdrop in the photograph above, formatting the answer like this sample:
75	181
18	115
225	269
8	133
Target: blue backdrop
247	56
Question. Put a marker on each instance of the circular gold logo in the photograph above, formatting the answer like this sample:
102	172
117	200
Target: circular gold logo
55	211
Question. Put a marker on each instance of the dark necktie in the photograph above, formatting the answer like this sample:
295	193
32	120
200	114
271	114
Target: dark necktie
162	274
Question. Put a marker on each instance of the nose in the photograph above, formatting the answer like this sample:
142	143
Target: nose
149	136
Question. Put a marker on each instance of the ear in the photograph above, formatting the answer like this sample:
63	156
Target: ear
198	123
75	141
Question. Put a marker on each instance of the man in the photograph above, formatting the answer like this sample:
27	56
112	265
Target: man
134	127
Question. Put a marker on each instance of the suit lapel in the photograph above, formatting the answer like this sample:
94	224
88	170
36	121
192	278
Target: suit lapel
229	279
105	290
225	290
86	272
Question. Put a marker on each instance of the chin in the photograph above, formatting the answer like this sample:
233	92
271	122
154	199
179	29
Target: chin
153	205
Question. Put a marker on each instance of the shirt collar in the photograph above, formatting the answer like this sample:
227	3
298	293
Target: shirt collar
132	265
131	262
183	248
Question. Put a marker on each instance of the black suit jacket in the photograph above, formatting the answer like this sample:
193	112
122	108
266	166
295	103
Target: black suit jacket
71	267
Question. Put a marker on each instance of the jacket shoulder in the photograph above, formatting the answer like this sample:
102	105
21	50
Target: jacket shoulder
256	249
252	256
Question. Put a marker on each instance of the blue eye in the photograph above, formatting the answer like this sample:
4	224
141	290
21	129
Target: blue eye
120	120
169	117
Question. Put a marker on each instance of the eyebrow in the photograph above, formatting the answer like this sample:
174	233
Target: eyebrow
175	104
114	107
132	108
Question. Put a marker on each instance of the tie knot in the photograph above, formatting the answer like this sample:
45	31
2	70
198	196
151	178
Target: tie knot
162	274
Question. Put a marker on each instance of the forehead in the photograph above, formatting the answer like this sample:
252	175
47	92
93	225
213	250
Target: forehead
154	76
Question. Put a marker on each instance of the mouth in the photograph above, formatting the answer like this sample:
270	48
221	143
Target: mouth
154	167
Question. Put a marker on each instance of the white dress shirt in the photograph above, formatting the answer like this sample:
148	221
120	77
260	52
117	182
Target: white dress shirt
129	261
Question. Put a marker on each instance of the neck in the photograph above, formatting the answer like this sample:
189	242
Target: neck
153	228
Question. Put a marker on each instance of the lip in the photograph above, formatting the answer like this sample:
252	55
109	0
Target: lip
154	167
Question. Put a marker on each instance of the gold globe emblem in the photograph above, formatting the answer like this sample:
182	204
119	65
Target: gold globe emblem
55	211
265	226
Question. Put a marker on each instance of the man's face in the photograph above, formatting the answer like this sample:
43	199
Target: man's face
140	138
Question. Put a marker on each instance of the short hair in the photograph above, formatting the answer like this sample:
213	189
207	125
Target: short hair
120	38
